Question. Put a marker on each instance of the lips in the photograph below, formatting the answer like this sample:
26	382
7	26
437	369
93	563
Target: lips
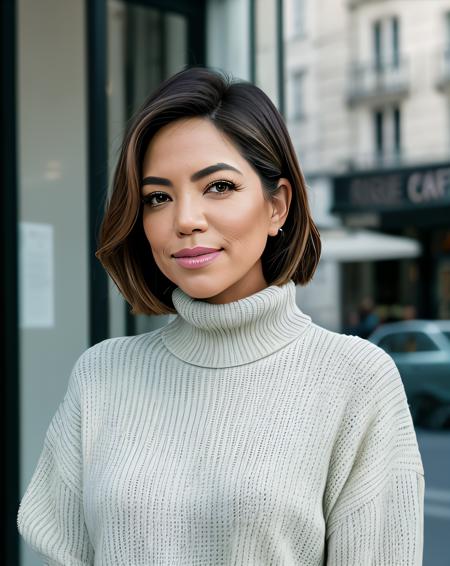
194	252
198	261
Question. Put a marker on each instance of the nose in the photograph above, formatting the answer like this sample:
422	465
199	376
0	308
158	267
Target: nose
189	216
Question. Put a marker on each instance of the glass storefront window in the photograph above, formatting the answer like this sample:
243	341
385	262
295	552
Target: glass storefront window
145	46
53	216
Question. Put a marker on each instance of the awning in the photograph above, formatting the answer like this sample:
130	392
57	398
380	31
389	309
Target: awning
365	245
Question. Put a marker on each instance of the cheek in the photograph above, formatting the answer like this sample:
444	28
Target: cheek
153	238
154	232
157	240
246	224
147	230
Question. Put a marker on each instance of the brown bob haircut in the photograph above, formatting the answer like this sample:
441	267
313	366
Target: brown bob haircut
247	116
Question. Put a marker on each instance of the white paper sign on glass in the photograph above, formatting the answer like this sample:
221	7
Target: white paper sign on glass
36	273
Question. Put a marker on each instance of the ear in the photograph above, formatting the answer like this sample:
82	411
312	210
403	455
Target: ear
280	203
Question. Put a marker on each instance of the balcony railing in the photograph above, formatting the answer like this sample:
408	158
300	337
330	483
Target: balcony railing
376	81
365	160
352	4
392	159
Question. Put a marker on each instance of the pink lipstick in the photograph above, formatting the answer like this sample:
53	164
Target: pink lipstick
196	257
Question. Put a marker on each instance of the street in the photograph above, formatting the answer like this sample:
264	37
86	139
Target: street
435	449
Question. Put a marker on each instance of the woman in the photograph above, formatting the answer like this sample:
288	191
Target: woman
241	432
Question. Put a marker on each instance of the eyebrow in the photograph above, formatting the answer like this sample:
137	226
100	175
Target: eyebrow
194	177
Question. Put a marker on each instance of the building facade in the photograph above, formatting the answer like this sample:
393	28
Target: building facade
368	107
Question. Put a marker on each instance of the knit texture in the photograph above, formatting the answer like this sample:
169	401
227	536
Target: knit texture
239	434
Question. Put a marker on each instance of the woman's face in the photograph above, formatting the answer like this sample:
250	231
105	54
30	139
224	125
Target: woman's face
199	191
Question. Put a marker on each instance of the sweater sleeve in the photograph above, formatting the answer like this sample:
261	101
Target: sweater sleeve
50	516
374	502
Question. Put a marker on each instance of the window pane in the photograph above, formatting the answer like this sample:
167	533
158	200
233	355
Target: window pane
390	343
395	43
448	27
377	45
266	48
145	46
397	130
407	342
53	215
299	16
423	343
378	126
298	80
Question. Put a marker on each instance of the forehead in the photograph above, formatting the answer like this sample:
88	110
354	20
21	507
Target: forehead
190	142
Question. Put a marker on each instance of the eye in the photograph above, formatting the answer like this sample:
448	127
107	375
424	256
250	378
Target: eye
153	199
222	186
156	199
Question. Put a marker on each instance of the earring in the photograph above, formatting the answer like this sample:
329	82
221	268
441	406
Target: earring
280	232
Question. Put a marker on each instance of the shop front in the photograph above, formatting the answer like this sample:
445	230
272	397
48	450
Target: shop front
412	202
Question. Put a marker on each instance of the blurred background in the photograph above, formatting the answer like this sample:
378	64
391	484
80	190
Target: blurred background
364	86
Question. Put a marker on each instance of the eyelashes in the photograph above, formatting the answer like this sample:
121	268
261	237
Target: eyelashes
149	198
229	186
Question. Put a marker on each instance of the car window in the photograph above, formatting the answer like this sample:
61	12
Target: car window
390	343
406	342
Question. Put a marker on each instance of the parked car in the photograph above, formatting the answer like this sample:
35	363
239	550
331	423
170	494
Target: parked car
421	351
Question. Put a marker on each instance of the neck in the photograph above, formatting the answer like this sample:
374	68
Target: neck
235	333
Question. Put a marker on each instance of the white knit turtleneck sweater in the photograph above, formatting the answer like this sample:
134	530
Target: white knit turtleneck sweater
239	434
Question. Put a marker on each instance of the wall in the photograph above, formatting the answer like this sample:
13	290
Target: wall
322	51
423	39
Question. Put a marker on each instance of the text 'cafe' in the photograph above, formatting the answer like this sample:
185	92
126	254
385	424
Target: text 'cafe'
385	194
410	201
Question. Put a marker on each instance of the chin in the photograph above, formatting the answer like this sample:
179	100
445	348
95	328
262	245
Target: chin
201	293
204	291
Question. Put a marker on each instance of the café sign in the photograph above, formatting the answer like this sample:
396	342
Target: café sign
421	187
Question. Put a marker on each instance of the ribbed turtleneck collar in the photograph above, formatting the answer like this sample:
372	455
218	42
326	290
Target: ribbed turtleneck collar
236	333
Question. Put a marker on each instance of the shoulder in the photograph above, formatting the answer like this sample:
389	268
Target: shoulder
375	405
114	354
356	362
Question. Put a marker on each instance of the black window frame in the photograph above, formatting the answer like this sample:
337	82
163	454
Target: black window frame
9	313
